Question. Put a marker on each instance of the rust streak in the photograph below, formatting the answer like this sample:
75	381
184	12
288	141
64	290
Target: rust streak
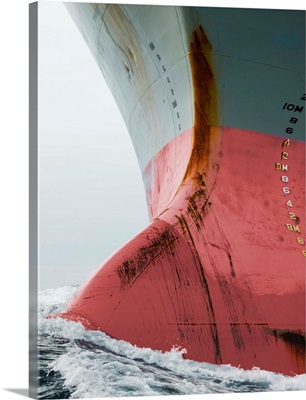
295	342
205	114
208	300
133	266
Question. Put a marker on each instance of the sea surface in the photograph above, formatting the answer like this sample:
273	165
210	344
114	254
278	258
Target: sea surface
75	363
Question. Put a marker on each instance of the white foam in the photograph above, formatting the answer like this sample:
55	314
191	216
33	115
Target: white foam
116	368
52	301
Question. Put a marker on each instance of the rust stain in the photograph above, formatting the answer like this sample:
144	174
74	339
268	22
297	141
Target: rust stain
133	266
208	300
237	336
128	46
123	36
197	202
233	273
205	103
295	342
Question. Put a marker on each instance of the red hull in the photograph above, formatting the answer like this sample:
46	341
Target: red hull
221	271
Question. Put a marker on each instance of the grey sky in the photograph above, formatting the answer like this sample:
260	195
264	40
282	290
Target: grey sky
91	196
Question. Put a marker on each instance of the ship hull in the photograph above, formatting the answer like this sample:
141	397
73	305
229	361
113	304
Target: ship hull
220	270
220	273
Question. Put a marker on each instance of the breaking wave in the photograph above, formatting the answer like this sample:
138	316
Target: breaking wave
76	363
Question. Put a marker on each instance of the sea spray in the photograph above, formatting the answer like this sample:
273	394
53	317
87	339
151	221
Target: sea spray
77	363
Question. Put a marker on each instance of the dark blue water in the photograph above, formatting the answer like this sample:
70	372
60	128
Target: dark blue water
75	363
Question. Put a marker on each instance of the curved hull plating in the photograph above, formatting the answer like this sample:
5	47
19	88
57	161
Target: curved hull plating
218	128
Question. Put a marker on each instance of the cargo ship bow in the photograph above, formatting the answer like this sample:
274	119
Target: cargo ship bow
214	101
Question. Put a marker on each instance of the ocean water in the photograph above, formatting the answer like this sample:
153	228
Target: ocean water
75	363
